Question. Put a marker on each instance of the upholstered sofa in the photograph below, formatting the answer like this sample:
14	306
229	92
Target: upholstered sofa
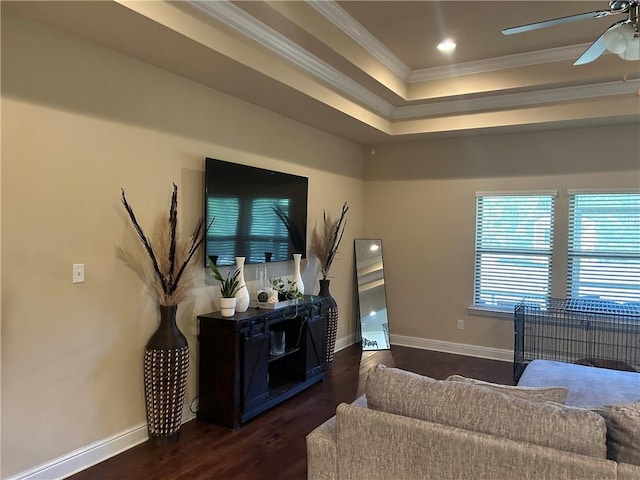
408	426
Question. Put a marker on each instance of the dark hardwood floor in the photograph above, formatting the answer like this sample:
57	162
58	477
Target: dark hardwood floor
272	446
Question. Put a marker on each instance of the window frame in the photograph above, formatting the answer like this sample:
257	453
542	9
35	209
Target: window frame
601	254
506	310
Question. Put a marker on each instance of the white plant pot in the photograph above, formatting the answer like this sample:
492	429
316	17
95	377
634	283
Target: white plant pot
228	306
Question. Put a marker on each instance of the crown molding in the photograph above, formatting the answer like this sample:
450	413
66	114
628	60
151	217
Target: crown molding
238	19
349	25
559	54
247	25
511	100
334	13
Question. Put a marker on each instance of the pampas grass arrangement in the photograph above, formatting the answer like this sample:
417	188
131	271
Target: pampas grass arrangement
326	239
172	275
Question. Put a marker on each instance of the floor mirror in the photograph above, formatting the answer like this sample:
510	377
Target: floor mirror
372	300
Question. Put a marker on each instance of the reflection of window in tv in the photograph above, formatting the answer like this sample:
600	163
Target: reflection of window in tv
221	237
249	225
267	233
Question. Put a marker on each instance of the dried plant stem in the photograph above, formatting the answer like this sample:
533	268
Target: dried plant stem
326	240
170	257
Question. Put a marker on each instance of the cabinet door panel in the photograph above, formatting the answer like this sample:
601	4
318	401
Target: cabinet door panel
255	369
314	339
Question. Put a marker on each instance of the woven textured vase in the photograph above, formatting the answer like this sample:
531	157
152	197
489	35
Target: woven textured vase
166	367
330	312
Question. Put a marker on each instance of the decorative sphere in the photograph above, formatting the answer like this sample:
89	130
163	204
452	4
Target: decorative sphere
263	296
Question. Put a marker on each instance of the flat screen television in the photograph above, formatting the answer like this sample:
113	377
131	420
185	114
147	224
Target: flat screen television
258	214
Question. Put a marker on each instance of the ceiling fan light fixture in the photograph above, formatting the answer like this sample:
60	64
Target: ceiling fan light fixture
623	42
632	52
447	45
615	40
622	38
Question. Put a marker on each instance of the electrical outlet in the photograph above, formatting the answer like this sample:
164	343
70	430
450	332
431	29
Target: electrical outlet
460	324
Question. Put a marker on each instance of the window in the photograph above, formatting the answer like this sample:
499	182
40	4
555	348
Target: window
514	243
604	246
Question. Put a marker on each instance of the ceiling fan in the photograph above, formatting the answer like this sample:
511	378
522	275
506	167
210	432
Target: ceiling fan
621	38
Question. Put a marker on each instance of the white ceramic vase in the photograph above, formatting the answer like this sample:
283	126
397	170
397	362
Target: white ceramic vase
242	295
228	306
297	277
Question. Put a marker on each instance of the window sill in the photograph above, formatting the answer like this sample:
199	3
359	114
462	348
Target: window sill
490	312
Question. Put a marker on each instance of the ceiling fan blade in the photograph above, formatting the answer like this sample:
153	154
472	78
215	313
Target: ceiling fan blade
597	48
556	21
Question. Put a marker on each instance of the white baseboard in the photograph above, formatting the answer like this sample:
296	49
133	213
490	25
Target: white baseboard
101	450
450	347
344	342
89	455
439	346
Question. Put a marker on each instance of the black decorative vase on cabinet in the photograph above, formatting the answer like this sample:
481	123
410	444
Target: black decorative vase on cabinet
166	366
330	312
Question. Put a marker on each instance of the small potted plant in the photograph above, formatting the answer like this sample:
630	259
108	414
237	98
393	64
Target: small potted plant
229	286
286	291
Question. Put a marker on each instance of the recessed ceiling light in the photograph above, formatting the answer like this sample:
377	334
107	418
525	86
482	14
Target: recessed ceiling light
446	45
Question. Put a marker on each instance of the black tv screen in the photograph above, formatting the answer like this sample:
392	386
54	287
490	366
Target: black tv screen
258	214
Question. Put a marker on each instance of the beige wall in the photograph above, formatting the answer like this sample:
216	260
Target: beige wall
420	199
78	123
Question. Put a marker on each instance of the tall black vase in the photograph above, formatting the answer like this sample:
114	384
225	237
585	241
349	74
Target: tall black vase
166	366
330	312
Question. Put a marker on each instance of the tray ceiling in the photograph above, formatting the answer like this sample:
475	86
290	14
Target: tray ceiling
368	71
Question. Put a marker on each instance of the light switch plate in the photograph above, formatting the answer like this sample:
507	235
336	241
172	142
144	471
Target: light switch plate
78	273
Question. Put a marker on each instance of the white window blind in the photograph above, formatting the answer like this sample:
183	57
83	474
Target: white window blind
604	246
514	243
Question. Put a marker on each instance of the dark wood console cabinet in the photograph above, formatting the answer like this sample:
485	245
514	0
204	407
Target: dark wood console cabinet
238	378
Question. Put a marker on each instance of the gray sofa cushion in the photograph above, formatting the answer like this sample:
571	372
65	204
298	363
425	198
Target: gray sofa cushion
623	432
533	394
322	455
626	471
375	445
483	410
